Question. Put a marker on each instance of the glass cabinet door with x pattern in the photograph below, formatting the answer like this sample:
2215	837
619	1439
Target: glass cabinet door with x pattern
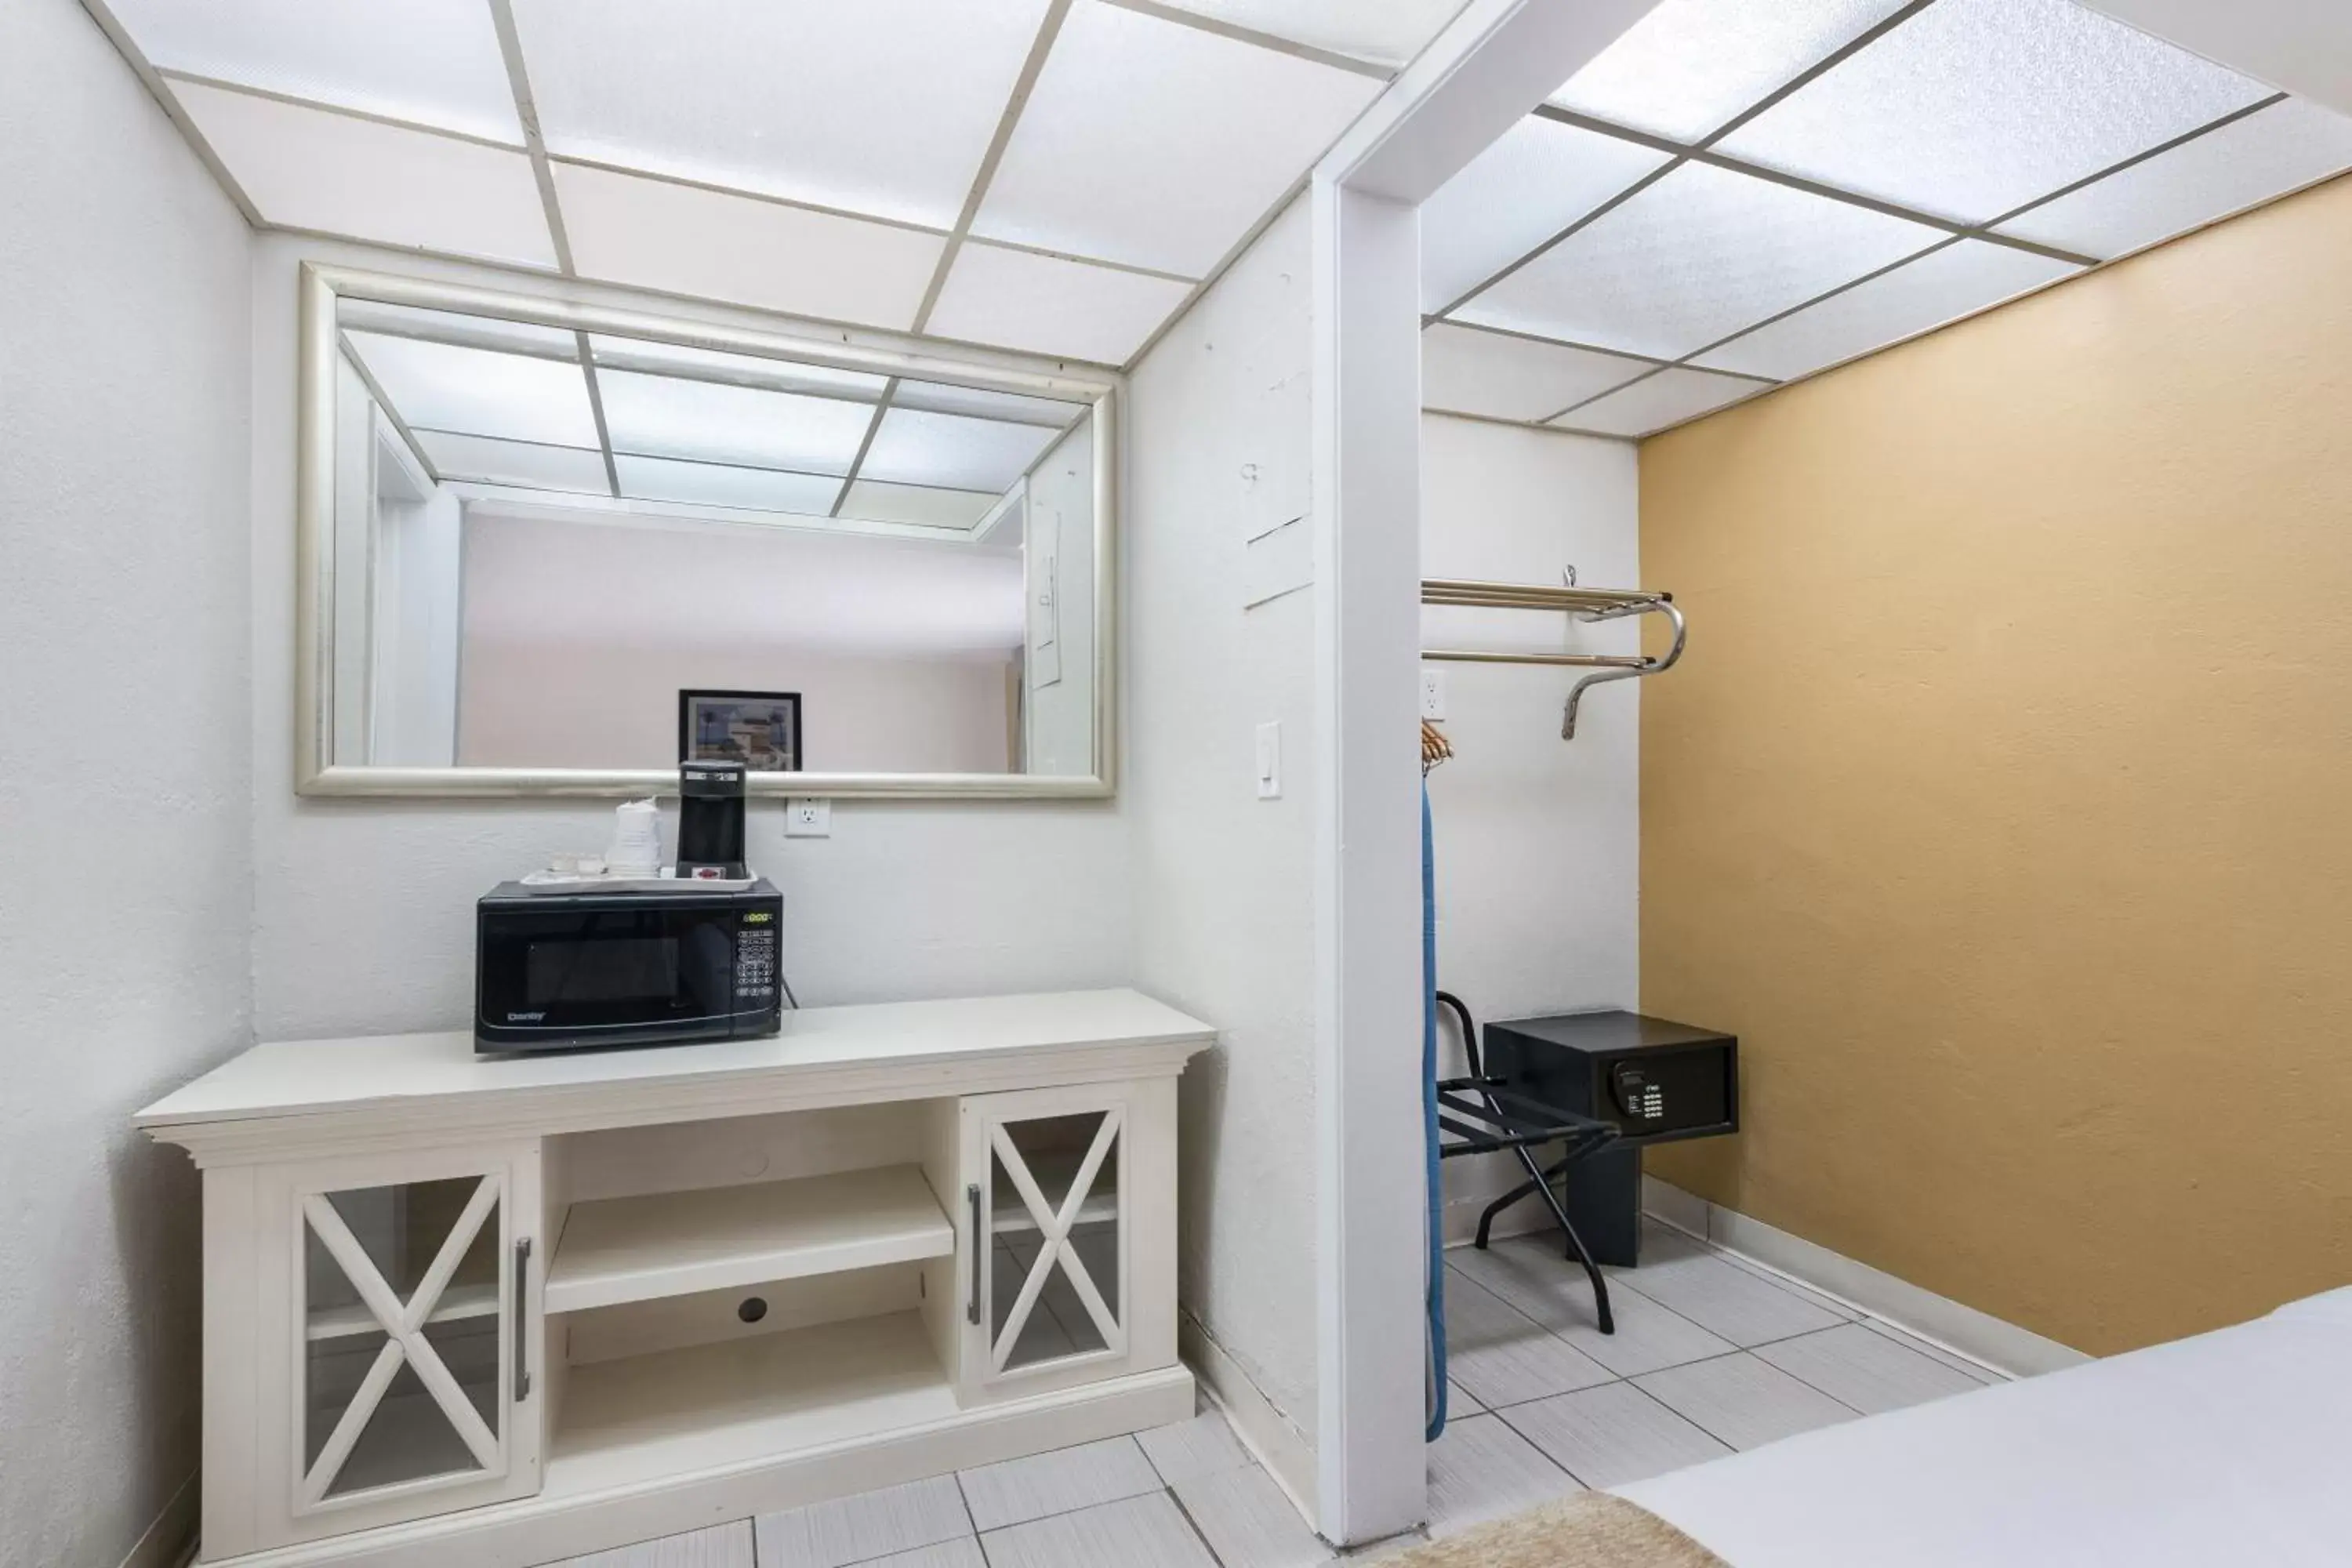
1048	1174
407	1348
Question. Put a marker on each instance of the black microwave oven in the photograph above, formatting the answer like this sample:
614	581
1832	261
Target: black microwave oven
567	969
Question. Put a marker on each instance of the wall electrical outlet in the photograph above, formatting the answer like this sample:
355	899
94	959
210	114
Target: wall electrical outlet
1433	691
808	816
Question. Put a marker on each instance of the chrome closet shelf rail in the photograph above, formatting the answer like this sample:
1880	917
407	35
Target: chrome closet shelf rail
1582	603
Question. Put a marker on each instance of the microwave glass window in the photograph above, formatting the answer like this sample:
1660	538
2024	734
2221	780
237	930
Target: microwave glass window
606	970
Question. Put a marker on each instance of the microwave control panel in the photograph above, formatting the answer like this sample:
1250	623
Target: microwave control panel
755	957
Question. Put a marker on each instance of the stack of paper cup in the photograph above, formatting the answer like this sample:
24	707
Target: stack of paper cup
636	840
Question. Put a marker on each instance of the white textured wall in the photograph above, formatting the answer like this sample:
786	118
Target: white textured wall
124	781
1224	890
363	911
1538	839
582	702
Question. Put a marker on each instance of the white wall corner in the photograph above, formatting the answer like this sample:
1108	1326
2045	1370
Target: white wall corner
1270	1435
1950	1325
171	1540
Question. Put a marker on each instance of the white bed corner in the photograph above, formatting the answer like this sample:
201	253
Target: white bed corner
2229	1448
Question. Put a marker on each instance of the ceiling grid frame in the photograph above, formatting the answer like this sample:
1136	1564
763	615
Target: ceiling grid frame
1701	152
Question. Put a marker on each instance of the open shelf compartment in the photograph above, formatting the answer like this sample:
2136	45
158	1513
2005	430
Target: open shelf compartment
642	1247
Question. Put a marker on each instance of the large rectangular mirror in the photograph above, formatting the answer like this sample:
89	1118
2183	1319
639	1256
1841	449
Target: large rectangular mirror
549	548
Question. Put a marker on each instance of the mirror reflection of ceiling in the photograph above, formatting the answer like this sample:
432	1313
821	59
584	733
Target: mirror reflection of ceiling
1048	176
1738	193
503	403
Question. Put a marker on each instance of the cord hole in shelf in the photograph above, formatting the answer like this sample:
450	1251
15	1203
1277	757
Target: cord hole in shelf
751	1309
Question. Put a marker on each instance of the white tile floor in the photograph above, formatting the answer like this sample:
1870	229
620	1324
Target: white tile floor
1711	1354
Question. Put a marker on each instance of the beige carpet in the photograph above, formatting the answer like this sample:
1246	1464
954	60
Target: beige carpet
1589	1530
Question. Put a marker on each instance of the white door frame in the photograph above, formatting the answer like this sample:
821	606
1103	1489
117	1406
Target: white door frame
1493	63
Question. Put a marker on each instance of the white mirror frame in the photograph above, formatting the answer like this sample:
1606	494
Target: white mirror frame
316	771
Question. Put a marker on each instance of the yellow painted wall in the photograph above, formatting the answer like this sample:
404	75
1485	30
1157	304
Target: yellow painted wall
2004	802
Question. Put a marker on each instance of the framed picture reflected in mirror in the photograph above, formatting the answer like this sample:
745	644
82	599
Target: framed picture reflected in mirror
761	730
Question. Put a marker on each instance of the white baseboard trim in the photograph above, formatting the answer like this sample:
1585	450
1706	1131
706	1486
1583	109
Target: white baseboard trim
1940	1320
1279	1446
171	1541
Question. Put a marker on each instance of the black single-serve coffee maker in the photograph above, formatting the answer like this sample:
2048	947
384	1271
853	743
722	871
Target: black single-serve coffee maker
710	820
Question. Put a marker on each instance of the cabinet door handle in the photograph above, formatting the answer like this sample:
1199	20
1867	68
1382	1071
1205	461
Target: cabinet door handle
971	1310
521	1295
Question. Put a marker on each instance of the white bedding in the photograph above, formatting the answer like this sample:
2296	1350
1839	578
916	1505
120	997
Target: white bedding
2232	1447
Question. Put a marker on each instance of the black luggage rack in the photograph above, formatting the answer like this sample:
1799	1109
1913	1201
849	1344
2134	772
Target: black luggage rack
1484	1114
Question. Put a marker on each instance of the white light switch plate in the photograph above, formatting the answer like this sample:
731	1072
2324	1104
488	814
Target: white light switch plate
1433	691
808	816
1269	760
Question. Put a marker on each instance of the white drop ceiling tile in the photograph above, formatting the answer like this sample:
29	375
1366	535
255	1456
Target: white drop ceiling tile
1538	178
924	505
1471	371
917	448
1694	257
532	467
2281	149
312	168
747	369
657	235
1690	66
1965	276
719	484
1047	305
665	417
1666	398
1974	107
883	106
453	327
941	398
1386	32
431	62
474	392
1156	144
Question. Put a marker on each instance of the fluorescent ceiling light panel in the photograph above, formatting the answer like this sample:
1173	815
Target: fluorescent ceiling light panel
474	392
493	462
1386	32
918	504
657	235
943	398
430	62
1694	257
2283	148
1666	398
875	106
1538	178
454	327
716	484
1690	66
1156	144
663	416
917	448
1470	371
743	370
312	168
1976	107
1047	305
1965	276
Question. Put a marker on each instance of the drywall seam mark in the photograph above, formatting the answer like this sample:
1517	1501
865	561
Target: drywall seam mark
527	111
157	89
1222	29
864	444
1048	30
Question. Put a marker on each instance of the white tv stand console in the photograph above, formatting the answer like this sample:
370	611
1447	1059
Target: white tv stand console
474	1312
